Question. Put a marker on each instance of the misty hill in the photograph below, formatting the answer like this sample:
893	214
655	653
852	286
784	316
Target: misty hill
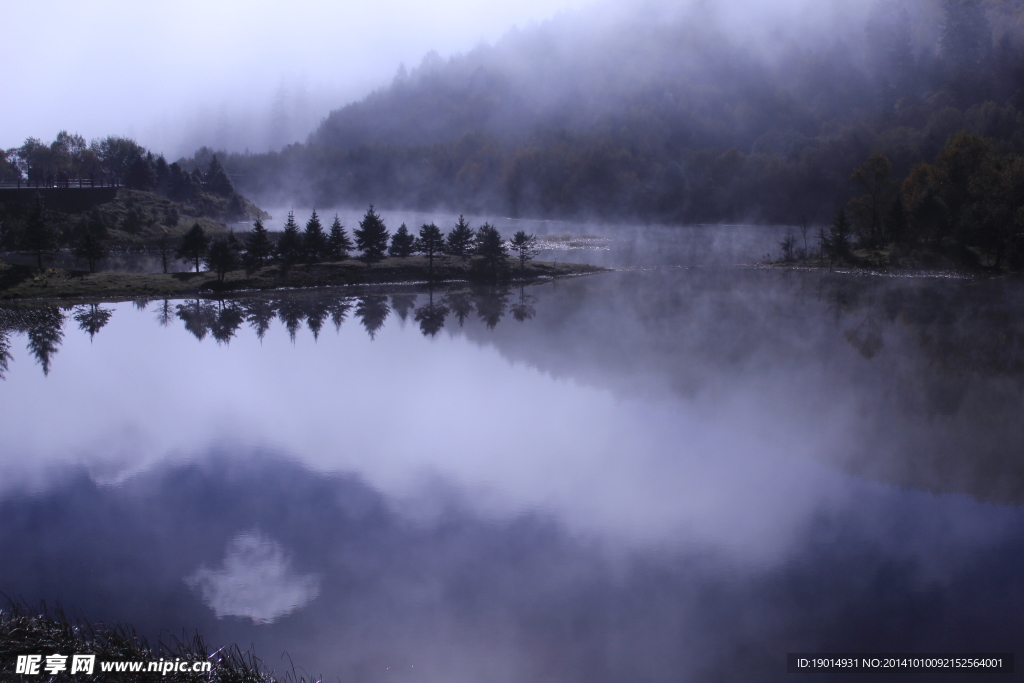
723	112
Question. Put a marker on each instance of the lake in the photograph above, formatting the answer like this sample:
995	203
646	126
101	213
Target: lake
666	473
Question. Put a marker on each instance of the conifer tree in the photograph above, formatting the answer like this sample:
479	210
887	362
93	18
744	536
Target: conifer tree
525	246
402	243
338	243
430	244
372	236
314	241
839	236
460	239
491	248
289	247
257	247
217	180
193	245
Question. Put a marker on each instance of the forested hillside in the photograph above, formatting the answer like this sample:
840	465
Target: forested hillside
671	116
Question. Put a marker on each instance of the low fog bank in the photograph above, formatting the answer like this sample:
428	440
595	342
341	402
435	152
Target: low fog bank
697	113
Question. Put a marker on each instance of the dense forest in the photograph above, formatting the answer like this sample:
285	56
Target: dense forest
676	118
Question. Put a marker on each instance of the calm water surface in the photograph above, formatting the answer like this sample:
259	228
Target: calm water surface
658	475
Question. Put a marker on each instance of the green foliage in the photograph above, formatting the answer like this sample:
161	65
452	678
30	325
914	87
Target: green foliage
460	239
402	243
193	245
372	236
525	247
338	243
314	241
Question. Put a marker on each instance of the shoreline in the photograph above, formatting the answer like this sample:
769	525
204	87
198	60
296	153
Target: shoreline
24	283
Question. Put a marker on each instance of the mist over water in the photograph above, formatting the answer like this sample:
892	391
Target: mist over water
672	473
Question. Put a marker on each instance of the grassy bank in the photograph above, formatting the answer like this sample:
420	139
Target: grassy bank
43	631
24	282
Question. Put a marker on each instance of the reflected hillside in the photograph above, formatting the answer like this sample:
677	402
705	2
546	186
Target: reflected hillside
914	381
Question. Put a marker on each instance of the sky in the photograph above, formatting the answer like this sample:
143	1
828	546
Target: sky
239	74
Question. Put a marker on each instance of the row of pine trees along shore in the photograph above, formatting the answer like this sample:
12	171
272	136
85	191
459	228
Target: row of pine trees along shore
373	241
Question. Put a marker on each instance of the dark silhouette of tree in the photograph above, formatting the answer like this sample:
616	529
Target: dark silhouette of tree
430	244
140	304
491	304
257	245
490	247
199	317
222	256
525	247
460	239
40	237
788	247
339	309
838	245
5	352
90	236
338	243
163	313
431	316
217	181
45	333
132	223
260	313
92	318
141	174
316	314
372	310
171	217
229	318
524	309
193	245
372	236
402	243
292	314
460	304
164	247
402	304
289	247
314	241
867	211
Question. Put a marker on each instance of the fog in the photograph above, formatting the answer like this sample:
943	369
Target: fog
232	74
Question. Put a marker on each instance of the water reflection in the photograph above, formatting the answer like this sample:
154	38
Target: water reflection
661	475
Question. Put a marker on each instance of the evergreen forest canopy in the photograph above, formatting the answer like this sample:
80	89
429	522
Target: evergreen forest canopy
675	116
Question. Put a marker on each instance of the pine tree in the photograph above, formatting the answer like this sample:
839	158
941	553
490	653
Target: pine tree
525	245
338	243
222	256
289	247
402	243
491	248
372	236
430	244
217	180
314	241
460	239
257	247
193	245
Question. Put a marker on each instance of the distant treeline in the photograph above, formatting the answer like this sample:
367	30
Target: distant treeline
678	121
372	240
